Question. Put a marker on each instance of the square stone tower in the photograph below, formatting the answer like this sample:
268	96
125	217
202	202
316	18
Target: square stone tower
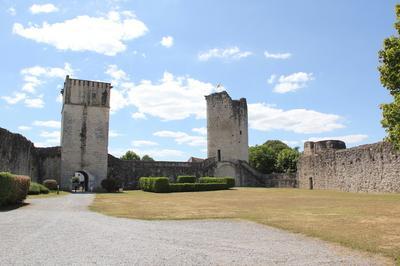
84	131
227	128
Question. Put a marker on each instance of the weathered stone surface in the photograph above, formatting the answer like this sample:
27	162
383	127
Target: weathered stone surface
367	168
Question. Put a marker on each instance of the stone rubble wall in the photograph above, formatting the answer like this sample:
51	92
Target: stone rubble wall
367	168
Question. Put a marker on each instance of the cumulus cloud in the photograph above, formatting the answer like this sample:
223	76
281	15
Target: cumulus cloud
232	53
277	55
16	98
200	130
24	128
171	98
141	143
167	41
105	35
34	103
45	8
48	123
266	118
114	134
348	139
182	138
291	82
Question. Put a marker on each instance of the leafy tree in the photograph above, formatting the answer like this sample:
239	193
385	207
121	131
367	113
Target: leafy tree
147	158
262	158
287	160
389	58
276	145
130	155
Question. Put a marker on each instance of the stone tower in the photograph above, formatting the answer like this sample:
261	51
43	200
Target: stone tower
227	130
84	131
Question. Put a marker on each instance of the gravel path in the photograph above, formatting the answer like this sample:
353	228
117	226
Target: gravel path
62	231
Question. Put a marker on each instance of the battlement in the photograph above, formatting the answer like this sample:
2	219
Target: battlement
86	83
311	147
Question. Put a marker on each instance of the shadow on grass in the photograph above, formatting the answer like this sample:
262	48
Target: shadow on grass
13	207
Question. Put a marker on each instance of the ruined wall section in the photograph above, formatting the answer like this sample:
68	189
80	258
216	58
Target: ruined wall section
227	127
367	168
84	132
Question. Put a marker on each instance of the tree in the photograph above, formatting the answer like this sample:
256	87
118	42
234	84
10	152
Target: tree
389	68
130	155
286	161
147	158
276	145
262	158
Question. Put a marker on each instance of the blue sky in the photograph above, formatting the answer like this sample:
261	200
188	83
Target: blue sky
307	68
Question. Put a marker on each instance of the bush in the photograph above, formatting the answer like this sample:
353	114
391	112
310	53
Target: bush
36	189
186	179
182	187
50	184
188	187
154	184
110	185
13	189
229	181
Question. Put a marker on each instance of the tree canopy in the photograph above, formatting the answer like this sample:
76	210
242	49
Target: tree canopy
130	155
389	68
147	158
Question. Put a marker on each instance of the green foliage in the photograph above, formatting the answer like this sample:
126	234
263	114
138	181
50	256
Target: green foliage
6	188
229	181
110	184
190	187
154	184
181	187
147	158
36	189
50	184
286	161
22	184
13	189
389	68
186	179
273	156
130	155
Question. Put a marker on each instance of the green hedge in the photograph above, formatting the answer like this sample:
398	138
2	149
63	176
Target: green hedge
36	189
190	187
154	184
229	181
186	179
13	189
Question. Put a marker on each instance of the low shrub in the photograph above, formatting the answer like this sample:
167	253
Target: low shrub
229	181
22	184
182	187
43	189
36	189
110	185
154	184
6	188
190	187
50	184
186	179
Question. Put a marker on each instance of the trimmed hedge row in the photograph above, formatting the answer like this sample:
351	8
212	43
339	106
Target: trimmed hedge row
13	188
186	179
36	189
50	184
154	184
162	185
229	181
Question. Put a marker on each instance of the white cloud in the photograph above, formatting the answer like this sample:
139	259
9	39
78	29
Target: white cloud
291	82
163	154
14	99
182	138
50	134
49	123
292	143
167	41
277	55
59	98
227	53
138	115
266	118
200	130
25	128
12	11
45	8
348	139
140	143
271	79
34	103
113	134
105	35
116	74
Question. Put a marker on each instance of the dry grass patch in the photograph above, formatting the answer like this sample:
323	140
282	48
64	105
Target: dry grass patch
369	222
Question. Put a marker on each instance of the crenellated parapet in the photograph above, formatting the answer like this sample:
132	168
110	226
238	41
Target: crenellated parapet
311	147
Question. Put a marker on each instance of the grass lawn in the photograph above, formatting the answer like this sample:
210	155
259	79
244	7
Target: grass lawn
369	222
51	194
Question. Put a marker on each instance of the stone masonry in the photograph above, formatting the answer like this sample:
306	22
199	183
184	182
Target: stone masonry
84	132
367	168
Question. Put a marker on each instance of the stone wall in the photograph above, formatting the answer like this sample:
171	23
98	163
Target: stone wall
367	168
18	155
227	127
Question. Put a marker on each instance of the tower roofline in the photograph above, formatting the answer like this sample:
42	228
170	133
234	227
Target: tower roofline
91	83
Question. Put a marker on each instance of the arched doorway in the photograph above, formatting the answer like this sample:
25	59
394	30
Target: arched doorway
83	180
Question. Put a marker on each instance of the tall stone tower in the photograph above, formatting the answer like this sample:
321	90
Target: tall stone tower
84	132
227	129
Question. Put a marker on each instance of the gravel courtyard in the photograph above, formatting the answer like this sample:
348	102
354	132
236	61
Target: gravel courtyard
62	231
